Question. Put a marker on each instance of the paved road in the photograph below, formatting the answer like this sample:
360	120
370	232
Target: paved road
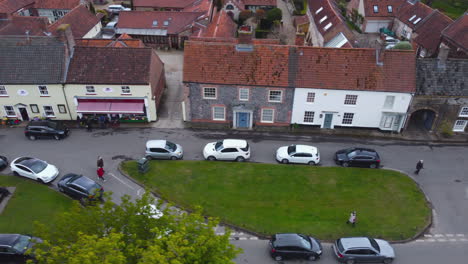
444	178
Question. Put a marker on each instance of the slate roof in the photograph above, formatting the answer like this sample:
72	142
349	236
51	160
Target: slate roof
163	3
429	33
105	65
56	4
260	2
299	66
124	41
18	25
222	26
80	19
39	60
11	6
413	14
382	7
457	32
178	21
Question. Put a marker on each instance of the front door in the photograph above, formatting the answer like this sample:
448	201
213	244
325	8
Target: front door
243	120
24	113
327	120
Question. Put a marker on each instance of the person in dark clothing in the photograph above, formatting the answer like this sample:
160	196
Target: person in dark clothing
78	120
100	162
89	124
419	166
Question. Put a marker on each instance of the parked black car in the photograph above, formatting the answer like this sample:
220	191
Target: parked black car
3	162
358	157
14	246
44	129
297	246
80	187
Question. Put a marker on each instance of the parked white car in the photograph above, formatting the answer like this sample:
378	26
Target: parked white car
303	154
227	149
117	8
35	169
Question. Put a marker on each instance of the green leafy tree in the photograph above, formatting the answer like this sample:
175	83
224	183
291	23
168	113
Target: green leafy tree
403	45
274	14
130	233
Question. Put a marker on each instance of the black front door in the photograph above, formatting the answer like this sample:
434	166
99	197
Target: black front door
24	114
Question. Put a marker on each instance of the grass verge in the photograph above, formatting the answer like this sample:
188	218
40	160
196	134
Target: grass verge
270	198
31	202
453	8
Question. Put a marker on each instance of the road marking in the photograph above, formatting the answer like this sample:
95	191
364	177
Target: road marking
438	235
460	235
431	240
111	174
426	235
139	190
452	240
242	238
449	235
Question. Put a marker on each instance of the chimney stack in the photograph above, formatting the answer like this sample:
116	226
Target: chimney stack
245	35
300	38
444	51
65	35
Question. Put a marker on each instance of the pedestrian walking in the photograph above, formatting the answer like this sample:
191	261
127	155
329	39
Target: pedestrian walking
78	120
352	219
419	166
100	174
89	124
100	162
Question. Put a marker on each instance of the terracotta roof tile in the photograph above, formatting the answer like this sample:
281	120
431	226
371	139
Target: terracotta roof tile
11	6
300	20
80	19
429	33
18	25
413	14
382	5
457	32
222	26
123	41
163	3
178	21
56	4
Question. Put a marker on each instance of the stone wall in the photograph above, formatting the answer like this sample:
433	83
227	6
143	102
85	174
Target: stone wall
449	78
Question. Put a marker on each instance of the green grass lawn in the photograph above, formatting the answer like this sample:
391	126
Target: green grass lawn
31	201
452	8
270	198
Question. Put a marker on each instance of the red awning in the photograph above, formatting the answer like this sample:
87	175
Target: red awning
93	107
111	106
127	108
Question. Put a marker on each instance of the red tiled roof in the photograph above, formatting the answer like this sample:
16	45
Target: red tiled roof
356	69
178	21
260	2
124	41
163	3
11	6
104	65
299	66
328	12
457	32
80	19
416	12
300	20
18	25
200	6
222	26
429	33
383	10
56	4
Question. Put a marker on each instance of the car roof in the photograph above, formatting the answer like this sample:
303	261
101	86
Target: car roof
8	239
115	6
355	242
306	149
234	143
26	161
156	143
84	182
289	239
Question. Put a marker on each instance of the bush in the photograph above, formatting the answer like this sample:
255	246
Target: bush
260	14
244	15
265	24
446	129
403	45
274	14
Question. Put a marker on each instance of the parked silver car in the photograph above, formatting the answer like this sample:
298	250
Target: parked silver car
163	149
351	250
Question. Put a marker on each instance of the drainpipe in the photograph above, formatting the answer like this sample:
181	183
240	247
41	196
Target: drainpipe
66	102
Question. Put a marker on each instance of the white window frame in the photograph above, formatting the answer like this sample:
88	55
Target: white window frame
89	91
51	109
310	97
214	113
43	92
389	99
275	101
247	90
390	9
325	28
311	116
7	111
376	9
348	119
463	112
124	88
322	19
3	91
262	119
459	125
319	10
351	99
209	97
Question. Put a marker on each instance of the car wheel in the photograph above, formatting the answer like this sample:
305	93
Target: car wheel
285	161
56	137
173	158
31	137
373	166
211	158
149	157
311	163
312	257
345	164
15	173
240	159
278	258
350	261
388	261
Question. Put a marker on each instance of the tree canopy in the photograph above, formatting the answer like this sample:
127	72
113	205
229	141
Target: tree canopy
131	233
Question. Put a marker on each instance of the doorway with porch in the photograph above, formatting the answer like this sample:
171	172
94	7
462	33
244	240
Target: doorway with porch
327	120
23	112
242	119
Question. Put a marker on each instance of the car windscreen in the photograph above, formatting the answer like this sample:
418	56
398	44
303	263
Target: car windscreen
171	146
246	148
352	154
291	149
305	242
37	166
21	244
218	145
374	244
339	245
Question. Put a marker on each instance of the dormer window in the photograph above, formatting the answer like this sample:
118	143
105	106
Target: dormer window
319	10
229	7
411	18
390	9
155	23
376	9
323	19
327	26
417	20
166	23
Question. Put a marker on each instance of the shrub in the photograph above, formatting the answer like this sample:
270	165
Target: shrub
403	45
260	14
446	129
274	14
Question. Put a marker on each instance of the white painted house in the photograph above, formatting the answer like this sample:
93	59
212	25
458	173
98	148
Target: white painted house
353	88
